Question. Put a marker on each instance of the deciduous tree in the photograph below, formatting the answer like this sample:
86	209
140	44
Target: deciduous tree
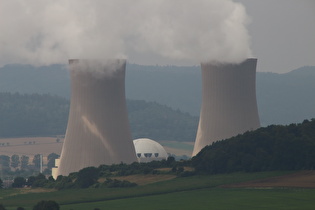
24	161
19	182
36	161
46	205
15	161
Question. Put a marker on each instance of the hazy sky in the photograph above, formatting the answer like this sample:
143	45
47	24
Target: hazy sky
178	32
282	33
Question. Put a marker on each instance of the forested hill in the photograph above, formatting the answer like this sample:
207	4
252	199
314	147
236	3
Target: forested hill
32	115
159	122
44	115
53	79
286	98
274	147
282	98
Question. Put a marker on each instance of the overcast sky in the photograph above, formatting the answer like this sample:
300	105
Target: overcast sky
167	32
282	33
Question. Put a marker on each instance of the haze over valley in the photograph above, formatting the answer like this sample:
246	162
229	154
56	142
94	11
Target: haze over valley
282	98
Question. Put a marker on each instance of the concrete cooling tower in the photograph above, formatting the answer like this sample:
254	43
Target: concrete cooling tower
229	105
98	129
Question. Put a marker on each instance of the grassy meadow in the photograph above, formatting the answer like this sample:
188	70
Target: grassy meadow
195	192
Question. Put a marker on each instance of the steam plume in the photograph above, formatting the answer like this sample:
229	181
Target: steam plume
45	31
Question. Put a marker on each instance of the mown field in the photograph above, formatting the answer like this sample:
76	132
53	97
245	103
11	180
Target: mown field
213	198
196	192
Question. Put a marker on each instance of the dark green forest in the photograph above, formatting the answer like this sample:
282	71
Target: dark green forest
47	115
274	147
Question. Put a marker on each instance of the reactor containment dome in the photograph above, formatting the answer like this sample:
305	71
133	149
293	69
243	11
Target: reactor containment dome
148	150
98	129
229	105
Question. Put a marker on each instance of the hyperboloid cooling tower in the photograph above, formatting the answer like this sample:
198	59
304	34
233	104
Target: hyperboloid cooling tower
229	105
98	129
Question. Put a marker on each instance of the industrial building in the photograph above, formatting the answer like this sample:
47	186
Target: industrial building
98	129
148	150
229	105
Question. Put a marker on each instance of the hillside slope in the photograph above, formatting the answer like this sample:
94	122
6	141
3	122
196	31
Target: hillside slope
275	147
45	115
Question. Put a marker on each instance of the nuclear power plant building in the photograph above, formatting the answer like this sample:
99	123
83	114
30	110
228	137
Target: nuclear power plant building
229	105
98	129
148	150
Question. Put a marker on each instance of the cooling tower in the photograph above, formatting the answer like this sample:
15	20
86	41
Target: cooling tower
229	105
98	129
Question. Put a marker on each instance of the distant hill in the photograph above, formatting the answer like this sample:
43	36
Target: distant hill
53	79
159	122
45	115
282	98
286	98
177	87
32	115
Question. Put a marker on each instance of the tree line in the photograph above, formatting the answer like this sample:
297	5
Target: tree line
275	147
104	176
47	115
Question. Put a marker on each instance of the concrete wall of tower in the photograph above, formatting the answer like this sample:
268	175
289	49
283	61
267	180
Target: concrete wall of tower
98	129
229	105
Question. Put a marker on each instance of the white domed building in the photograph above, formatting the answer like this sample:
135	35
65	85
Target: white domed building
148	150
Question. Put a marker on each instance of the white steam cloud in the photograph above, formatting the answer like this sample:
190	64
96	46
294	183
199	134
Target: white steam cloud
46	31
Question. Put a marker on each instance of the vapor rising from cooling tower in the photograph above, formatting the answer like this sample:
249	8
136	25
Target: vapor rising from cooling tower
146	32
98	129
229	105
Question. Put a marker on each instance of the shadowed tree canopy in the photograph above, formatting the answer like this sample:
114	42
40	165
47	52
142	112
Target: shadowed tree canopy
19	182
87	177
46	205
275	147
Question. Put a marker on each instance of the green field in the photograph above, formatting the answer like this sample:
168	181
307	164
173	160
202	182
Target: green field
216	198
196	192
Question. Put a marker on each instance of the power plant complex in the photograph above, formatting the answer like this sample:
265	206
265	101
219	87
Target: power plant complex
229	105
98	129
